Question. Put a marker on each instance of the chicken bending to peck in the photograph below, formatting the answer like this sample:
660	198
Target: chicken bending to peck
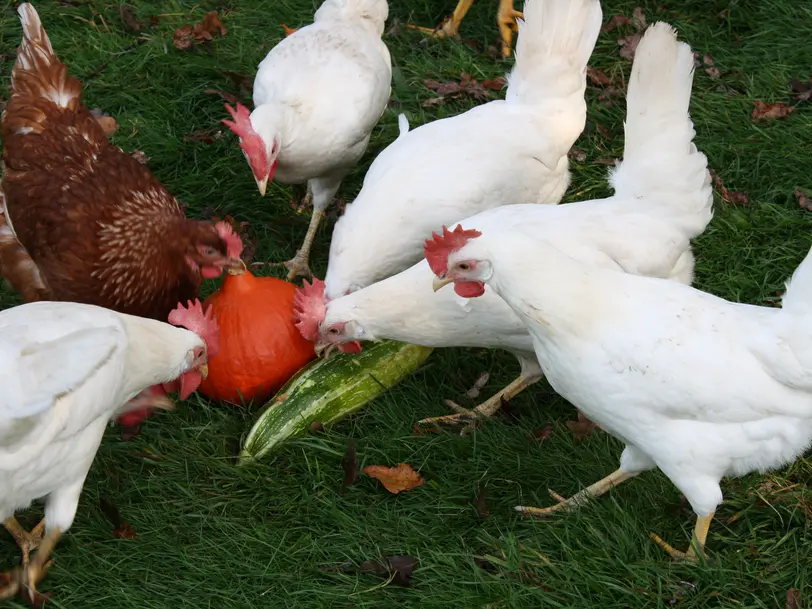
65	370
503	152
317	96
694	385
505	18
83	221
662	200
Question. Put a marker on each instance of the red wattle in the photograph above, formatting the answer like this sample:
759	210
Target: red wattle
189	382
210	272
352	347
469	289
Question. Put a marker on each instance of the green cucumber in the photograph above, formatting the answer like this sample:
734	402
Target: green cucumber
330	389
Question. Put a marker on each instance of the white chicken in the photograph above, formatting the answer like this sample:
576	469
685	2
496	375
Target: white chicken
662	200
505	151
66	369
317	96
694	385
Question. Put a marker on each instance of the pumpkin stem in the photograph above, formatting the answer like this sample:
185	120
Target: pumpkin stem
241	271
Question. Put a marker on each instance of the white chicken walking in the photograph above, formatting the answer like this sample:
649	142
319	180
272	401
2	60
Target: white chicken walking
694	385
503	152
317	96
66	369
662	200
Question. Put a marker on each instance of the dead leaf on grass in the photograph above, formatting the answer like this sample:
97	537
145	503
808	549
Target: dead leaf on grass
804	200
230	98
542	433
139	156
398	569
206	30
288	30
801	91
577	155
128	17
581	428
395	479
710	69
793	599
481	381
606	161
121	528
206	136
763	111
242	82
598	77
481	501
467	86
628	45
316	427
107	122
735	197
615	22
350	464
639	18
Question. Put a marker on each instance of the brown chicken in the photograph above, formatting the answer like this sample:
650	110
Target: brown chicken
83	220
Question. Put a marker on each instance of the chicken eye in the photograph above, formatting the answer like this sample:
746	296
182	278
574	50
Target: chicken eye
464	266
333	331
209	251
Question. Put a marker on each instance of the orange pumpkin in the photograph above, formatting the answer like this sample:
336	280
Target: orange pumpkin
260	348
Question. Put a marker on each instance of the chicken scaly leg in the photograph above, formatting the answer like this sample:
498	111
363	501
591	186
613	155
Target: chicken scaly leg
485	410
27	577
28	542
578	499
450	27
506	20
300	263
698	540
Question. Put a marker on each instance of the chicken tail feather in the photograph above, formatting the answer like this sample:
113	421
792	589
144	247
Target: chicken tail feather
16	266
38	72
660	159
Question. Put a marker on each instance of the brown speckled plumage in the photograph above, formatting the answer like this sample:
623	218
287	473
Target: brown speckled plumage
91	223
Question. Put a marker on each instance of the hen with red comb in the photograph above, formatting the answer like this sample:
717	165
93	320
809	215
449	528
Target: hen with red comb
438	248
317	96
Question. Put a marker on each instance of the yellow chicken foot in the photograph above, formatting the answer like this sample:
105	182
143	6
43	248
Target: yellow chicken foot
450	27
579	498
697	541
506	20
28	542
34	572
299	264
485	410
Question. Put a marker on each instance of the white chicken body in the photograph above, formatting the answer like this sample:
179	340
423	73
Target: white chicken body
322	90
86	363
512	151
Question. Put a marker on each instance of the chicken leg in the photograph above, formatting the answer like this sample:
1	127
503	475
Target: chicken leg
578	499
450	27
697	542
506	20
27	577
28	542
486	409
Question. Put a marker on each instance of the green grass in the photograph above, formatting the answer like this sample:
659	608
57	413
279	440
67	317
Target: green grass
211	535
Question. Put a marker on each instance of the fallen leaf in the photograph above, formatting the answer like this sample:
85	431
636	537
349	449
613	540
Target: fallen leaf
121	528
542	434
395	479
107	122
467	86
288	30
615	22
598	77
242	82
230	98
481	501
183	37
710	69
350	464
802	91
604	132
763	111
628	45
577	155
639	18
581	428
731	196
804	200
316	427
494	84
605	161
209	27
397	568
481	381
608	94
130	22
139	156
203	135
421	430
793	599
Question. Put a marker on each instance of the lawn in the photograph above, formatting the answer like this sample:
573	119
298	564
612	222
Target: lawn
276	535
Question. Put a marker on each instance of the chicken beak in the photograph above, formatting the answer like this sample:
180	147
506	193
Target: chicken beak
204	370
324	349
262	185
440	282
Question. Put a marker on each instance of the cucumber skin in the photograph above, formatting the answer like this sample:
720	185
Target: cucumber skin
328	390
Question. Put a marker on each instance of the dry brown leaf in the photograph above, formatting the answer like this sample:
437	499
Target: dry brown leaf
350	464
288	30
139	156
203	135
183	37
793	599
582	427
212	25
802	91
481	501
467	86
494	84
710	69
107	122
628	45
639	18
606	161
598	77
395	479
763	111
615	22
232	99
128	17
577	155
736	197
541	434
804	200
206	30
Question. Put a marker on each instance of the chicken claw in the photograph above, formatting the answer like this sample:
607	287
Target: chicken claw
698	540
450	27
506	20
33	573
581	497
28	542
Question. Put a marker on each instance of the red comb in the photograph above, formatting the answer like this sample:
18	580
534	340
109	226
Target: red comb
232	240
309	309
241	125
203	324
439	247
